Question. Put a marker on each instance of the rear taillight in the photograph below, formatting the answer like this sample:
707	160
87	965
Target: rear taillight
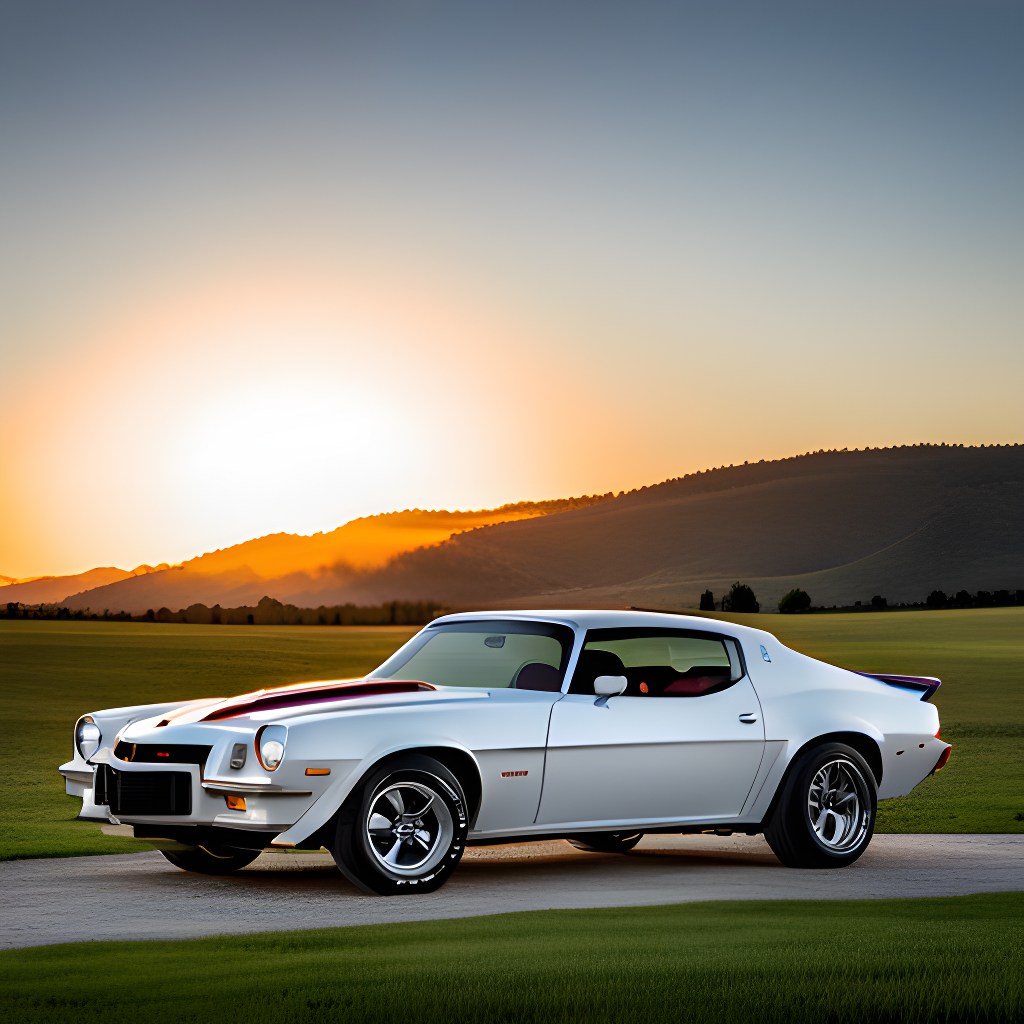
943	758
937	735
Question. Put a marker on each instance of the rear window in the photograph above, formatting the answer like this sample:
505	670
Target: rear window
659	662
492	654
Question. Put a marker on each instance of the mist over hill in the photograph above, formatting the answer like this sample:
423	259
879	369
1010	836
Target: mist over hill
241	572
842	525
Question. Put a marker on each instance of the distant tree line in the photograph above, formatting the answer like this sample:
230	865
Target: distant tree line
16	610
267	613
799	601
982	599
741	598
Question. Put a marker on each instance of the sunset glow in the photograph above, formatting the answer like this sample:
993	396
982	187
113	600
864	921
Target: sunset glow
446	257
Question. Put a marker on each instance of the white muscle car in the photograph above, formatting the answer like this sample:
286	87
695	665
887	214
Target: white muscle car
595	726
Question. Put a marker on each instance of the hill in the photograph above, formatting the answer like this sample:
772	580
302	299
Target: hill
51	589
842	525
241	573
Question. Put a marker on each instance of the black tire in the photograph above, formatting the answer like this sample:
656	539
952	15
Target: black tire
211	860
825	815
606	842
384	845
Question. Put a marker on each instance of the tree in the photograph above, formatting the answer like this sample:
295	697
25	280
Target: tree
707	601
795	601
740	599
937	599
879	602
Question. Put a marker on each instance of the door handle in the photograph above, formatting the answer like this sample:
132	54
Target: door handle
748	718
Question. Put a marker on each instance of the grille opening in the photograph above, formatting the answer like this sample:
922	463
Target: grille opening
143	792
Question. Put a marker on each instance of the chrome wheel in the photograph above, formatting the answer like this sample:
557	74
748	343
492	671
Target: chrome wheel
409	828
839	805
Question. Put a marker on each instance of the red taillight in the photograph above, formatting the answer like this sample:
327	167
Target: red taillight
937	736
943	758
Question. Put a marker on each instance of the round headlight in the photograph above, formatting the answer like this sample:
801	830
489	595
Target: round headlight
270	745
87	737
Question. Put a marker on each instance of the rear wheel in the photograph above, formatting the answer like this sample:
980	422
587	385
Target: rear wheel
404	830
607	842
825	816
211	860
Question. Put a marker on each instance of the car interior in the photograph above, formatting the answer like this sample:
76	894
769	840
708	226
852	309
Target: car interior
648	680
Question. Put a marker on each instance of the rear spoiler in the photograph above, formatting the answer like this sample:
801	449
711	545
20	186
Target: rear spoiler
926	685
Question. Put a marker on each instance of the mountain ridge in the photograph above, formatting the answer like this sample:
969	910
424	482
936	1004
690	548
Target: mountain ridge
842	525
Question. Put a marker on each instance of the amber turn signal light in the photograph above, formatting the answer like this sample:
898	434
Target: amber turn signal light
318	771
235	803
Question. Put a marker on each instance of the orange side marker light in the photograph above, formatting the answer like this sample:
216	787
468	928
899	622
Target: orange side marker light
235	803
318	771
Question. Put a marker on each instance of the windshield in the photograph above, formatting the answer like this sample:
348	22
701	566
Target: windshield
492	653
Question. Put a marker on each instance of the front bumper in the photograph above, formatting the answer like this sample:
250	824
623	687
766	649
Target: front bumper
181	795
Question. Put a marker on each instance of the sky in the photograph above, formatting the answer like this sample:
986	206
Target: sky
268	267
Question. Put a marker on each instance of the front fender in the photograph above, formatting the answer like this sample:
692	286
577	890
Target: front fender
322	810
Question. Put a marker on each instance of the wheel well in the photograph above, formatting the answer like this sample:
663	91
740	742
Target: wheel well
864	745
464	768
459	763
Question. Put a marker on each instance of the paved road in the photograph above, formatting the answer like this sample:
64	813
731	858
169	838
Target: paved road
143	896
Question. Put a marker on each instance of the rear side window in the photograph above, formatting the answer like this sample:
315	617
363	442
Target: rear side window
659	662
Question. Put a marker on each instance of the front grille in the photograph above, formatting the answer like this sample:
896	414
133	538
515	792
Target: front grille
162	753
144	792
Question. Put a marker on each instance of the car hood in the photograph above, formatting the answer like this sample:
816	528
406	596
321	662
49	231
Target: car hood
312	698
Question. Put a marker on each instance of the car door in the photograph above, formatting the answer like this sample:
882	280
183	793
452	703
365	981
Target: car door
684	741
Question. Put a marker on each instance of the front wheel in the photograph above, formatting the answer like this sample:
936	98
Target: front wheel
606	842
825	816
211	860
404	830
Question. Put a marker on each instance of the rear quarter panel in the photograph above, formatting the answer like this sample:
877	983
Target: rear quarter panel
803	699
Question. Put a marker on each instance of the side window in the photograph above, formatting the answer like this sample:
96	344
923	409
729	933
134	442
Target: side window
659	662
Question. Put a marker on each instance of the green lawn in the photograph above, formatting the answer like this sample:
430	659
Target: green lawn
953	959
54	671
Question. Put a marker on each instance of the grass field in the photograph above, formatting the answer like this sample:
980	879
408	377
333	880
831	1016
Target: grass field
953	959
54	671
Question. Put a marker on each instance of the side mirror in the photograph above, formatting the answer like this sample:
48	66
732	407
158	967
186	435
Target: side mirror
610	686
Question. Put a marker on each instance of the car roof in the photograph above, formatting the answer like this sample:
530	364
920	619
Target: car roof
593	618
